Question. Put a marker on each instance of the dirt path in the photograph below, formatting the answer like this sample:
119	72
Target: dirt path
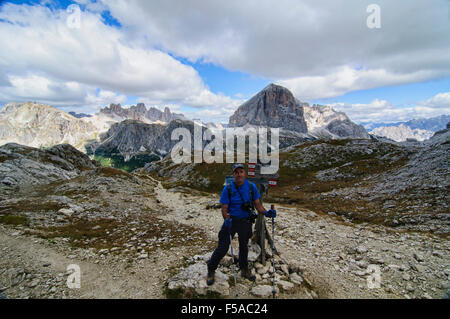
37	268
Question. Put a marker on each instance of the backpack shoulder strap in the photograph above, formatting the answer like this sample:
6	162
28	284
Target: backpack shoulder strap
251	191
229	191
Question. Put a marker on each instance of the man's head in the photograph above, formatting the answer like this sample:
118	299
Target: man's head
239	174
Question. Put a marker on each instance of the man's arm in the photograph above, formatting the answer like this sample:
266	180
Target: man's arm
259	207
225	214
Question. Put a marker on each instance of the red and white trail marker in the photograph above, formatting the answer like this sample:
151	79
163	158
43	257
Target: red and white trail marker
272	182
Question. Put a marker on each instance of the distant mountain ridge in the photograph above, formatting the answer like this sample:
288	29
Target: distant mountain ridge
431	124
419	129
139	112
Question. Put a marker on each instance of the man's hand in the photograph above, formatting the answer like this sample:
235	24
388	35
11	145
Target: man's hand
225	211
271	213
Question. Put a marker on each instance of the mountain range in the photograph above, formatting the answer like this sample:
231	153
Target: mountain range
137	132
418	129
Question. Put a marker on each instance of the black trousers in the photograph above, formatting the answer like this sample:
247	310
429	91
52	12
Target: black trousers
244	230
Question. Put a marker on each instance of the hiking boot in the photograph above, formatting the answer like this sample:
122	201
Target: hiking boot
210	277
245	273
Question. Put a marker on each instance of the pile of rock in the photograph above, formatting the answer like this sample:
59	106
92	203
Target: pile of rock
286	275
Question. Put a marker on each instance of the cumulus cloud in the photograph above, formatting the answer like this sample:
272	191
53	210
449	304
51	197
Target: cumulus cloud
319	49
382	111
45	58
439	100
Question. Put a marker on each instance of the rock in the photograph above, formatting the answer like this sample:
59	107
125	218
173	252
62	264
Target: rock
409	288
419	268
258	265
66	212
406	277
263	291
361	264
226	261
253	252
295	278
376	260
418	257
285	285
143	256
193	279
295	267
285	269
361	249
33	283
263	270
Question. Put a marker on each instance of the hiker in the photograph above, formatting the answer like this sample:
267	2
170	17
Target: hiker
238	200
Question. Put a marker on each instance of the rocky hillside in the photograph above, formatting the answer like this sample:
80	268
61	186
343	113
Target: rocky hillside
325	122
275	106
133	238
403	186
20	164
132	143
36	125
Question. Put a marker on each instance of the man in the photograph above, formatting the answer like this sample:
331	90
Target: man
236	220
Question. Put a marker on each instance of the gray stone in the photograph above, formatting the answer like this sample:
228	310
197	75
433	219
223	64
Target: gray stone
194	278
263	291
418	256
361	249
295	278
285	285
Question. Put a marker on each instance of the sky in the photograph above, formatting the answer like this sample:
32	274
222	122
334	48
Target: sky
376	60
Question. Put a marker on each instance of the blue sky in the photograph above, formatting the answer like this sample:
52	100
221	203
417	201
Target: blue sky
205	59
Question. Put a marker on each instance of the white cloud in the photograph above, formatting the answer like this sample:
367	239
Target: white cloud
46	59
346	79
386	112
439	100
322	49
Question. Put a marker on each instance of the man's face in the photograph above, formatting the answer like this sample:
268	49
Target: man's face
239	175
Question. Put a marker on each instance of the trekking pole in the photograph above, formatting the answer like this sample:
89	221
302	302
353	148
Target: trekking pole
234	266
273	255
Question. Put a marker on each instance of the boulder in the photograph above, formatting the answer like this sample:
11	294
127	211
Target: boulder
193	279
263	291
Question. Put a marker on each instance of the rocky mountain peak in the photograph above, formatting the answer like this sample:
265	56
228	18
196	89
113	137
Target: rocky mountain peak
274	106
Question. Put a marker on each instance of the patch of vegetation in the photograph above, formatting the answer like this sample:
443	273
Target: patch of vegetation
112	172
107	233
181	293
118	161
31	205
14	220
